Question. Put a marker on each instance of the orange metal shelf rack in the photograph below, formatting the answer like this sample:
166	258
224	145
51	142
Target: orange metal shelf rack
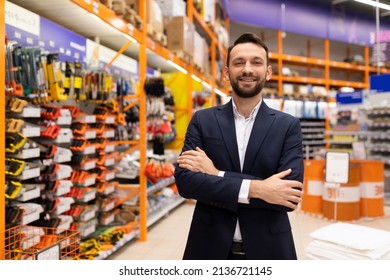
145	43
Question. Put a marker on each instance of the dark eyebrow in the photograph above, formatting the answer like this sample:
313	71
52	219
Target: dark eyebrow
240	58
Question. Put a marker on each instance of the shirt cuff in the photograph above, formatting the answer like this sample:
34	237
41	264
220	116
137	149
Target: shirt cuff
221	173
244	192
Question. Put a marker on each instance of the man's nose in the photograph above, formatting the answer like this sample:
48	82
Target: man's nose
247	67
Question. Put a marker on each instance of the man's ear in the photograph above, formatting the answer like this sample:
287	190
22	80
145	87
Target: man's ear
226	73
269	73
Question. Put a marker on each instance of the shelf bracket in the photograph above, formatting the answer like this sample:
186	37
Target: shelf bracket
123	48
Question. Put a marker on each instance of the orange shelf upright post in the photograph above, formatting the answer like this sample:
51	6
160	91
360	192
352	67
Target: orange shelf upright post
190	10
143	199
280	62
367	66
327	68
213	68
190	69
308	54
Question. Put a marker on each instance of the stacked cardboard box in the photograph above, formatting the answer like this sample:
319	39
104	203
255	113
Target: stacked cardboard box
155	17
172	8
200	51
180	33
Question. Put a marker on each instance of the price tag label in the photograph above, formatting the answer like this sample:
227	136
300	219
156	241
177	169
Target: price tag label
337	167
50	253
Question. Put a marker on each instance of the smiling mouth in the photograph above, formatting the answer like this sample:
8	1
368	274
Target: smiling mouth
247	80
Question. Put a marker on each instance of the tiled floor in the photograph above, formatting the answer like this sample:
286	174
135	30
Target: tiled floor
166	239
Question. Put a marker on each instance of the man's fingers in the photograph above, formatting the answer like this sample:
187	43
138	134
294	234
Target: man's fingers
283	173
189	152
200	150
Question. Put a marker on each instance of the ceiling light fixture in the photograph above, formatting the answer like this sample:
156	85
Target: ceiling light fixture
128	37
207	85
219	92
181	69
375	4
196	78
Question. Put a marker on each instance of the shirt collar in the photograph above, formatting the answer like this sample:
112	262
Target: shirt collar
252	115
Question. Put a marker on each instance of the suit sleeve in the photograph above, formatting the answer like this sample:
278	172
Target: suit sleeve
223	191
213	190
292	157
255	202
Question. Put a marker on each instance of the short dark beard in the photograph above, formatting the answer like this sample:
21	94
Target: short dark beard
247	94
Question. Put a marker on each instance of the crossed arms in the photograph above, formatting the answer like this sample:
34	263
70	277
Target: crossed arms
274	190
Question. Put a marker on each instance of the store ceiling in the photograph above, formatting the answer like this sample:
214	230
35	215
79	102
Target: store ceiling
354	5
326	5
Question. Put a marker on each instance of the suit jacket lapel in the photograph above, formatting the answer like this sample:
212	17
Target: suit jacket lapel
225	120
263	122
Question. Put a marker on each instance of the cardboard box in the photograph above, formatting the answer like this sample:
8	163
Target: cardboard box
155	17
200	45
180	33
222	34
172	8
208	11
132	4
107	3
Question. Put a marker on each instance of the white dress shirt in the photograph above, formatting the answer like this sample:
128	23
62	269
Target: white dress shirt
243	131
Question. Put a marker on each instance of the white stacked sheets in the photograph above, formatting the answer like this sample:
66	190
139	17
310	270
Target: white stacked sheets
344	241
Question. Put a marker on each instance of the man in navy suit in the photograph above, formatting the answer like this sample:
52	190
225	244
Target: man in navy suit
243	164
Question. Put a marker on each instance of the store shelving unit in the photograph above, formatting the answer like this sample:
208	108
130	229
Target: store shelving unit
313	131
377	137
2	131
317	61
106	28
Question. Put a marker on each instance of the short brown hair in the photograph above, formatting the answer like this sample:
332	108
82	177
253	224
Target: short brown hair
248	38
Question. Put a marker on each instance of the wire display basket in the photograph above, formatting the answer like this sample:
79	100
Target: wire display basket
39	243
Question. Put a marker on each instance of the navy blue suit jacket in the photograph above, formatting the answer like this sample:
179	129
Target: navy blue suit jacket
275	145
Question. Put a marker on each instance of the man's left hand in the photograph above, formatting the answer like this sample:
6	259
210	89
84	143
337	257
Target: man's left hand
197	161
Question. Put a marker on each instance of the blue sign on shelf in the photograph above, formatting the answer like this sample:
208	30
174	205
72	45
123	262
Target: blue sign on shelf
380	83
68	44
355	97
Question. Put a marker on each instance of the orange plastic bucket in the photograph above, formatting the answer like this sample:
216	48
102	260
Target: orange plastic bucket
313	184
343	203
372	186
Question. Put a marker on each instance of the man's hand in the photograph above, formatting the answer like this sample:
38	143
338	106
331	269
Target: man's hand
197	161
275	190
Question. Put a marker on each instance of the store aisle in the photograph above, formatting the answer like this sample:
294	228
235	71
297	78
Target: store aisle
166	239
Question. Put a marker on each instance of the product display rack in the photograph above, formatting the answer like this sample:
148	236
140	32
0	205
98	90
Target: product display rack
318	61
2	132
148	52
324	62
375	121
313	131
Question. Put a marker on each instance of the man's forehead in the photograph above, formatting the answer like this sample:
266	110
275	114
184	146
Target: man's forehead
248	49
